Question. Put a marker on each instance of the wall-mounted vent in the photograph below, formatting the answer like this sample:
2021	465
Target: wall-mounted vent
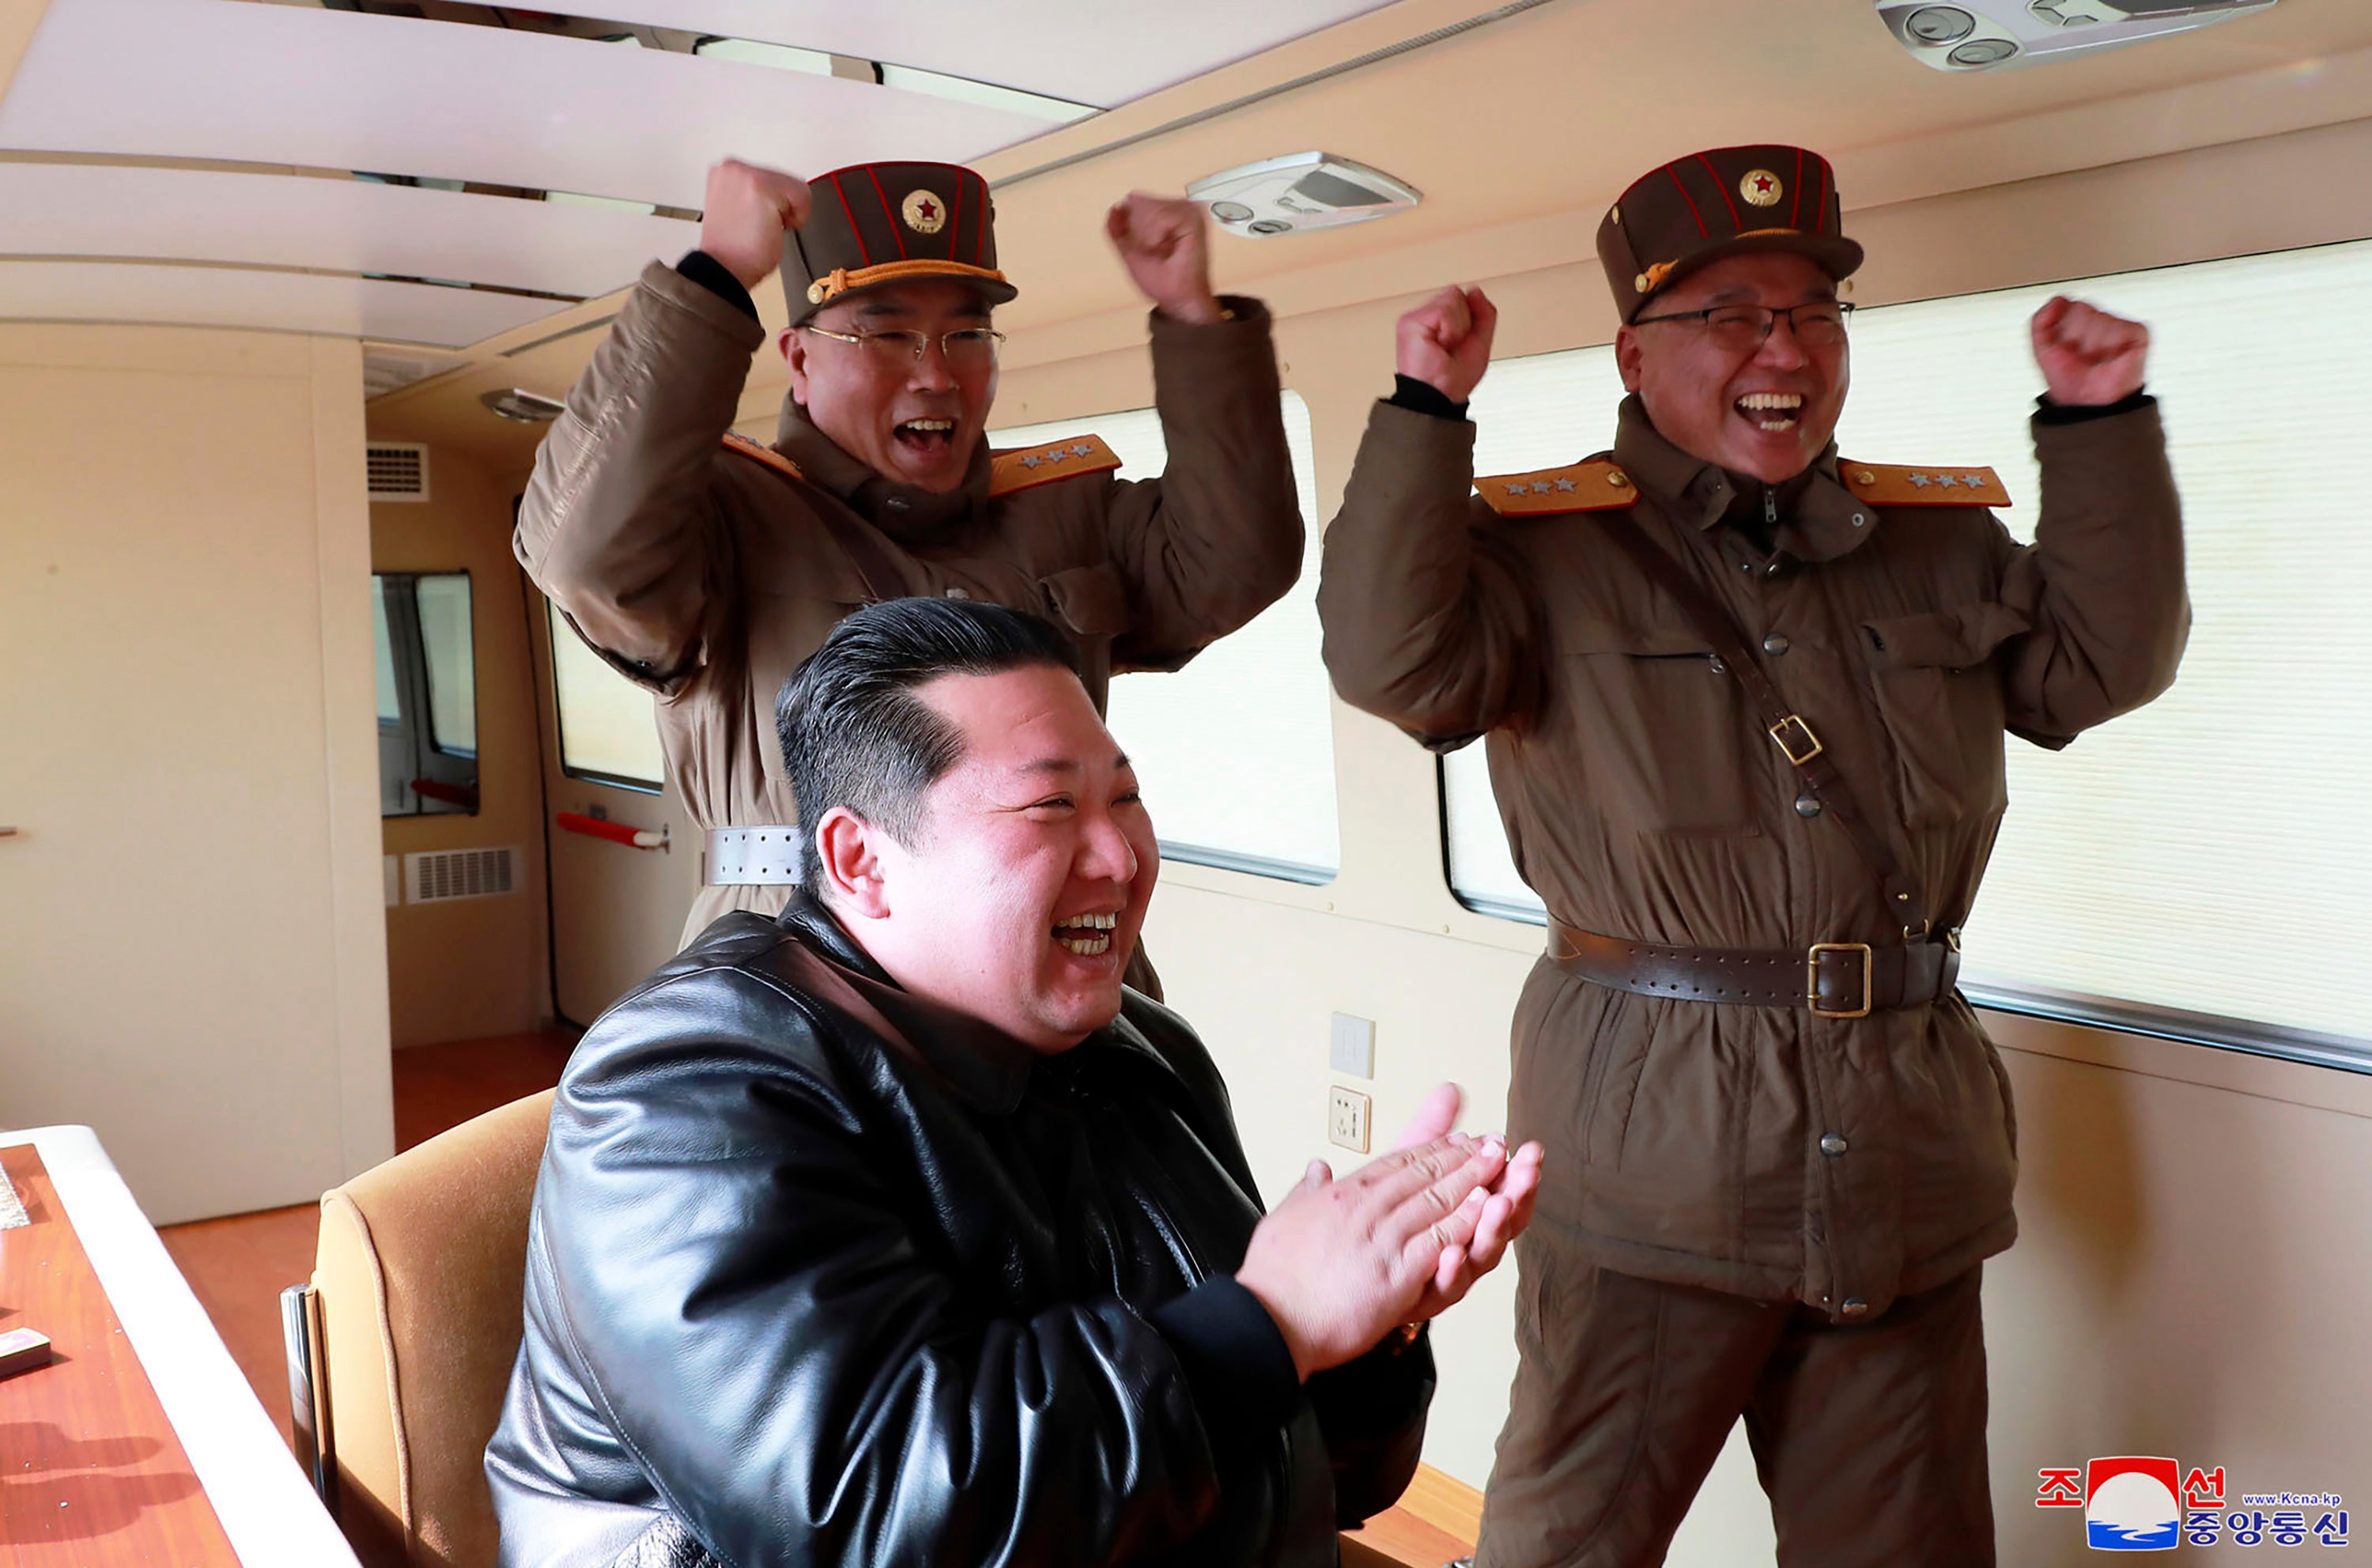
399	471
435	875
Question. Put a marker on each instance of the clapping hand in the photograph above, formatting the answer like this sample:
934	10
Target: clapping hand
1339	1263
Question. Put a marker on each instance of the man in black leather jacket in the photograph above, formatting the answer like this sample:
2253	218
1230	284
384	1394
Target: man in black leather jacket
894	1231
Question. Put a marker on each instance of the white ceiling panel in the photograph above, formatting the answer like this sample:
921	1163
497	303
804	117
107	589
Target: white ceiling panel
341	225
1101	51
224	79
230	297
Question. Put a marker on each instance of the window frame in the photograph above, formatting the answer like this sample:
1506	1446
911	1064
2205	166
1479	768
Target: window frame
1212	856
556	626
398	608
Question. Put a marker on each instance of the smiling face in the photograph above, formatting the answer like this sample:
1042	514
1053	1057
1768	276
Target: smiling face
1766	411
917	422
1020	897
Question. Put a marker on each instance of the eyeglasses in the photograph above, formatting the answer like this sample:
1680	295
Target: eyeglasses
1821	323
965	348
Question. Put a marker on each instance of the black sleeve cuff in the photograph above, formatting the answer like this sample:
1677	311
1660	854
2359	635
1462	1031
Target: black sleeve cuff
1235	1358
2048	413
1423	397
712	276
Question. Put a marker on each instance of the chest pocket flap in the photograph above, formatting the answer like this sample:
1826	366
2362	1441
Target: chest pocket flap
1943	708
1950	639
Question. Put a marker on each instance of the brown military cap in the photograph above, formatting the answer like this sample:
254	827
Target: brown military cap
1722	201
872	224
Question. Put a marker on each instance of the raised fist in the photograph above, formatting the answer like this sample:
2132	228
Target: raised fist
1164	242
1446	341
747	209
2088	358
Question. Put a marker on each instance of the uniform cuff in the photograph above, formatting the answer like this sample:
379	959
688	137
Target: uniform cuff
717	279
1423	397
2048	413
1234	1356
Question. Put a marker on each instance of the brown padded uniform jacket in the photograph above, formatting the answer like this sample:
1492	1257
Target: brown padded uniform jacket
708	573
1642	799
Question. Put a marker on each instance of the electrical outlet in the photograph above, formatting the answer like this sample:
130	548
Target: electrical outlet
1346	1118
1351	1046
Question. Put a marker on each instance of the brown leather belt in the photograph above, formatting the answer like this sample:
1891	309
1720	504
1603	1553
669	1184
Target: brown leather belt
1835	979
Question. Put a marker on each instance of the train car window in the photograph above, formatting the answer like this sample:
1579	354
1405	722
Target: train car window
2225	819
426	676
608	729
453	682
1235	751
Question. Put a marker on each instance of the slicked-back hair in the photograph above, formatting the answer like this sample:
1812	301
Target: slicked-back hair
851	729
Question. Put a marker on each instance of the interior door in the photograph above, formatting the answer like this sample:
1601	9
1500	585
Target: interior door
617	909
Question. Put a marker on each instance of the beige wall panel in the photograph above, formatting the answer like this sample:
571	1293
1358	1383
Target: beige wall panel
186	959
473	968
17	20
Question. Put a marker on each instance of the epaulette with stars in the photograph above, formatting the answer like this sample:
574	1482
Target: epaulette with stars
1599	485
1026	466
1888	484
742	446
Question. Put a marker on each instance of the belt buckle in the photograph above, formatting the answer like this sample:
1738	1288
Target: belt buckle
1812	978
1783	731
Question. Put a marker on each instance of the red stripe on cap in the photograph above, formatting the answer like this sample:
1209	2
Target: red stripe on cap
1691	201
887	212
955	220
980	225
1820	204
1795	207
1723	186
863	250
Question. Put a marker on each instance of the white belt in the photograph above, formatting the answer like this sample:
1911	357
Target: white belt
764	856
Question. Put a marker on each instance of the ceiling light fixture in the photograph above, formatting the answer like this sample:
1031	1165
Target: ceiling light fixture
1986	35
527	408
1300	192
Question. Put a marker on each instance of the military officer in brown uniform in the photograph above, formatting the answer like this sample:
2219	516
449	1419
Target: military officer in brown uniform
705	566
1745	704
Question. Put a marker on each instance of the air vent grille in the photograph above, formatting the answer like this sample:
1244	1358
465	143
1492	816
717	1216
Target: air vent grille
438	876
399	471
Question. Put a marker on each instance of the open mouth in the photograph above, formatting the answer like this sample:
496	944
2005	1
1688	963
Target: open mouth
1772	412
1087	935
926	439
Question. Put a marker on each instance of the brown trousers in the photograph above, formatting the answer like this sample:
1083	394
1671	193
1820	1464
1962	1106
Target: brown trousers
1870	1437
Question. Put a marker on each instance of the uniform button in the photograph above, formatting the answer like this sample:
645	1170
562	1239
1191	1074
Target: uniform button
1719	668
1855	1306
1833	1144
1774	644
1860	521
1771	570
1808	805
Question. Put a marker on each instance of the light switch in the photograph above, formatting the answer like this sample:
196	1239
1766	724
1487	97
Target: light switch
1351	1046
